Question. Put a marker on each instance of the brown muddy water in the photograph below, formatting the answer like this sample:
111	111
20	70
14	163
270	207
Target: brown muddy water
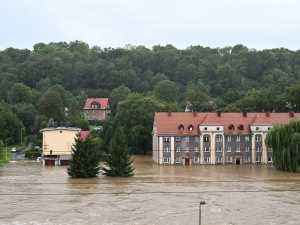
33	194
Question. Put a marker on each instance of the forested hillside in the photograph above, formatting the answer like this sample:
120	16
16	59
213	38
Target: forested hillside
37	85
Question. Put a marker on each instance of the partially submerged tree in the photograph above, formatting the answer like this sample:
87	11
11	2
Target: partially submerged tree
85	159
285	141
118	162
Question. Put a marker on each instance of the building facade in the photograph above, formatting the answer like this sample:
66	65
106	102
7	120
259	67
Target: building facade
187	138
96	109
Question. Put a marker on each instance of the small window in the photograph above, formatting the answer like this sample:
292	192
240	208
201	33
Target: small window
196	149
241	127
270	159
257	128
166	139
247	159
269	128
196	139
270	149
177	139
181	127
60	131
228	149
187	149
238	149
258	149
229	159
219	149
166	160
178	149
205	128
238	138
247	138
218	128
206	159
247	149
218	138
187	139
206	138
231	127
206	149
191	127
219	159
196	159
258	138
258	159
228	138
166	149
177	159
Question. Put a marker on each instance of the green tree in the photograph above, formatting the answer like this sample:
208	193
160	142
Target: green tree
26	113
166	90
20	93
117	95
118	162
85	159
285	139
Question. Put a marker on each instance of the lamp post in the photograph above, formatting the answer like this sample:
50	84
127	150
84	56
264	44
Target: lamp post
6	147
201	203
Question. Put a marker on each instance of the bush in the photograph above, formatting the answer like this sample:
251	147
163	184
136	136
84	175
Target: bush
32	155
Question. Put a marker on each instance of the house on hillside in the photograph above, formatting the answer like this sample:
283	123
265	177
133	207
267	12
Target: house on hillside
97	109
188	138
58	142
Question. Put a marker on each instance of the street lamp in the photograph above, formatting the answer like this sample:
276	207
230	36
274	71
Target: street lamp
201	203
6	147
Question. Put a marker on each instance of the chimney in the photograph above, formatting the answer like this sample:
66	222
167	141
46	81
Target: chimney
268	114
219	113
292	114
245	114
169	114
195	113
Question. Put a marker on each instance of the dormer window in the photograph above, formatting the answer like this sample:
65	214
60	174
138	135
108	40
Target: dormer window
191	128
181	127
231	127
95	105
241	127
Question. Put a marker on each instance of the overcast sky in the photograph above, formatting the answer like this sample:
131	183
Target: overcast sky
258	24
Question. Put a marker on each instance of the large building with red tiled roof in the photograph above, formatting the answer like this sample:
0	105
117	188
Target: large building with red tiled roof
96	109
214	137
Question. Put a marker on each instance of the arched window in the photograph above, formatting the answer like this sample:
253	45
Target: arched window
181	127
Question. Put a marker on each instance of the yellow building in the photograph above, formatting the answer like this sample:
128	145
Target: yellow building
57	144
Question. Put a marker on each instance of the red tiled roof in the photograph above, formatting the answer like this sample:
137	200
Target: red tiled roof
104	103
168	123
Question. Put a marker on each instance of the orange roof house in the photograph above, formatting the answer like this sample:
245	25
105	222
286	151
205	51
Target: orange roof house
97	109
214	137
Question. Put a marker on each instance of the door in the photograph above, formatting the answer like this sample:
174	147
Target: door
187	161
238	161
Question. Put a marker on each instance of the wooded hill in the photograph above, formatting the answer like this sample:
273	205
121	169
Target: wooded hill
36	85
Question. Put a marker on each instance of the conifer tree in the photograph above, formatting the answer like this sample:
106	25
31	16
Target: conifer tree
85	159
118	162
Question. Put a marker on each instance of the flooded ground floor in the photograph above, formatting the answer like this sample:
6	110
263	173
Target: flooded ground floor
234	194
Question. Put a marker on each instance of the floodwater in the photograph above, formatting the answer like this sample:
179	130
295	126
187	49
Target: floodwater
33	194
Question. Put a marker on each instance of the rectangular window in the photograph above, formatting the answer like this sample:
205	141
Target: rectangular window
238	138
196	159
258	138
206	159
228	149
219	139
219	159
177	159
206	149
258	149
196	139
270	149
229	138
238	149
247	159
229	159
196	149
187	139
177	139
177	149
166	139
270	159
166	149
247	149
166	160
257	128
219	149
206	138
187	149
247	138
258	159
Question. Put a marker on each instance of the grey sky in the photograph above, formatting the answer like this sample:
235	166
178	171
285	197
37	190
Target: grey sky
259	24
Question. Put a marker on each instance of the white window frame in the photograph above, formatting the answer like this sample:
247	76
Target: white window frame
187	149
177	160
247	138
270	157
238	138
228	149
219	149
206	138
229	159
206	159
258	138
187	139
178	149
196	149
238	149
247	149
196	159
218	138
219	159
206	149
177	139
258	159
167	149
166	160
247	159
167	139
270	149
196	139
258	149
228	138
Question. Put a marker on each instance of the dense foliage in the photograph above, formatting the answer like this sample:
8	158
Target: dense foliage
41	84
285	141
85	159
117	161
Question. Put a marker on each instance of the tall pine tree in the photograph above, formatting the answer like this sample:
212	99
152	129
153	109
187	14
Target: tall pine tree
118	162
85	159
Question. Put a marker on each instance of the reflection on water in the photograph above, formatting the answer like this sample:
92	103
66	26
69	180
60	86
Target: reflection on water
234	194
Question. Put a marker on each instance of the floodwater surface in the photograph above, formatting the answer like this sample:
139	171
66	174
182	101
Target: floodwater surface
32	194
